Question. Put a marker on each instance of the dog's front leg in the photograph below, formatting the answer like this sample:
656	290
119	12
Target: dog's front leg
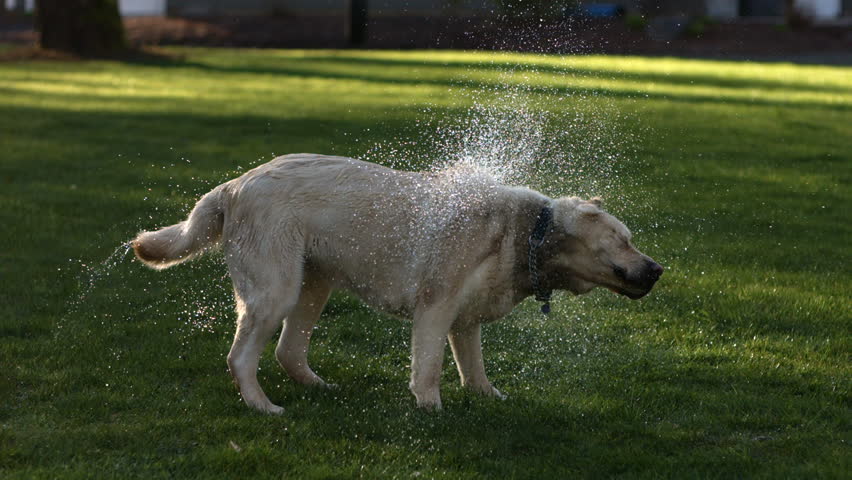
428	339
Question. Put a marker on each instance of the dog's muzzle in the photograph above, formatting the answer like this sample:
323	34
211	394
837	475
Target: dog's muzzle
639	285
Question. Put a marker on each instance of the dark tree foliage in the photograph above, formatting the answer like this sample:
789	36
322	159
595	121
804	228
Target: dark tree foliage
90	28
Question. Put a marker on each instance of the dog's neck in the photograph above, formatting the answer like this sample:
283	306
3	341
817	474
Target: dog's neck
543	226
551	275
531	226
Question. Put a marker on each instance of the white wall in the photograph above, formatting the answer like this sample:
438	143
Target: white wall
820	9
128	8
30	4
722	9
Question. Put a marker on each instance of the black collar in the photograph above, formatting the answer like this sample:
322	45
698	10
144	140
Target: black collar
543	224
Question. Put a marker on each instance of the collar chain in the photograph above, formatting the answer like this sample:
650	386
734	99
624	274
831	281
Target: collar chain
543	224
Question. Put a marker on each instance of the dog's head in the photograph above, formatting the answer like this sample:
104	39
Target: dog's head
591	248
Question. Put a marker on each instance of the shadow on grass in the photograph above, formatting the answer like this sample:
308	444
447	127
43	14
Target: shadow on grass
674	78
292	68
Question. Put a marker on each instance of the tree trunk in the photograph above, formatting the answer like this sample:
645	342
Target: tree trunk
356	22
796	18
90	28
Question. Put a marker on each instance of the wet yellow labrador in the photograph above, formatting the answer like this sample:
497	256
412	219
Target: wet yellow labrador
450	251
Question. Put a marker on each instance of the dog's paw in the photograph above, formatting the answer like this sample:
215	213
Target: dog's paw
487	390
498	394
429	402
430	406
266	407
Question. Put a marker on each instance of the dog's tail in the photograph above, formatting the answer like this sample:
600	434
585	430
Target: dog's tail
175	244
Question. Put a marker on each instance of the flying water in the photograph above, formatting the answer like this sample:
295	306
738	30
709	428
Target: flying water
552	139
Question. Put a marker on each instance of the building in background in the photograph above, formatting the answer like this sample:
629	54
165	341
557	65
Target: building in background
127	8
330	7
819	10
719	9
142	7
816	9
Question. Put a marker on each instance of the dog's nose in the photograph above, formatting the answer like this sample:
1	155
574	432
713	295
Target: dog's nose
655	270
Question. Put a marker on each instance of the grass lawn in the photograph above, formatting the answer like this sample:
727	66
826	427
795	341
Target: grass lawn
735	176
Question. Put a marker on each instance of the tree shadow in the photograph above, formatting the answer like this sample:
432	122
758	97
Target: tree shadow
671	78
295	68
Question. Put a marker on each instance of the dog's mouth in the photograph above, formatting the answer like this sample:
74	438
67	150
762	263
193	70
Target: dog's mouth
633	295
636	286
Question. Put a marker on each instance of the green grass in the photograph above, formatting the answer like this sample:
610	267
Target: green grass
735	176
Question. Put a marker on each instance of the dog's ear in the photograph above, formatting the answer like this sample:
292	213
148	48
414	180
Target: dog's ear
588	209
567	212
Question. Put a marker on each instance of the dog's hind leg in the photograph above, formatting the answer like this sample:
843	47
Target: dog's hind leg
466	344
266	293
292	349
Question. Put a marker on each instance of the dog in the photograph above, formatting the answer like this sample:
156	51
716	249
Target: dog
448	250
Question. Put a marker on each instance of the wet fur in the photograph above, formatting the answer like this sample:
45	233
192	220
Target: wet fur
448	251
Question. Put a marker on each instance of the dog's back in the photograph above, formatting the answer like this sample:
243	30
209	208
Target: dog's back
378	232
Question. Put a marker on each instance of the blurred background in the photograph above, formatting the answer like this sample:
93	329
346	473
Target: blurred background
818	30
